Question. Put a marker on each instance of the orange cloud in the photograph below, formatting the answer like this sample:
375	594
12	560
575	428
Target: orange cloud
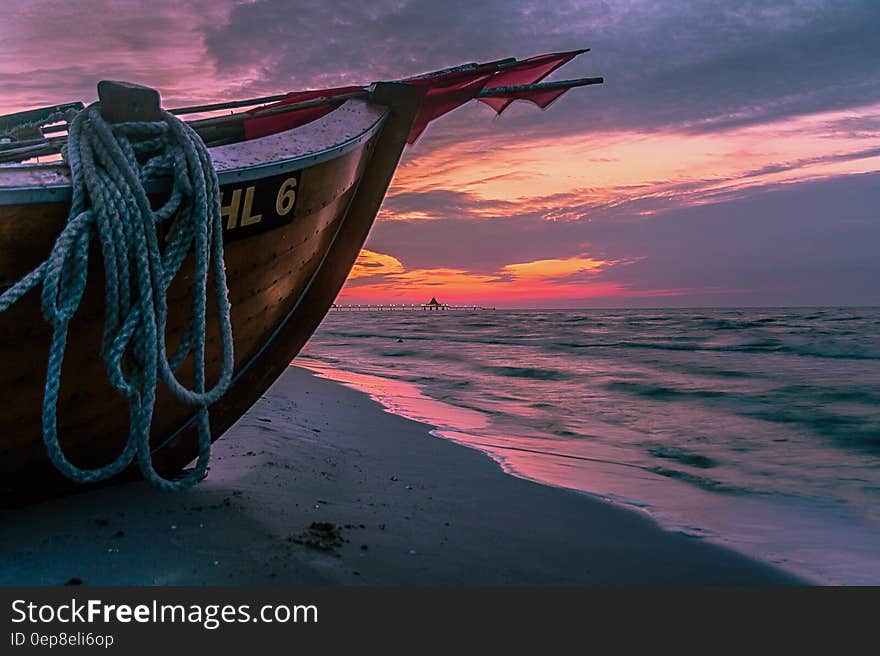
505	173
557	268
557	279
370	263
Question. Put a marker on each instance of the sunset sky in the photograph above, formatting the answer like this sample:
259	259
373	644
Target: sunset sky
731	158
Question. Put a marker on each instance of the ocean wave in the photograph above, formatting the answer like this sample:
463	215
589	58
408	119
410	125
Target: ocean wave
734	368
741	407
705	370
445	355
702	482
684	456
655	391
733	324
850	318
825	395
397	353
533	373
354	335
851	432
756	346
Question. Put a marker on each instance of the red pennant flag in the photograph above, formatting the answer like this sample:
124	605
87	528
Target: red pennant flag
443	93
262	126
543	98
529	71
446	91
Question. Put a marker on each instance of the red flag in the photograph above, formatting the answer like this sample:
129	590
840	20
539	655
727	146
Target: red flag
262	126
529	71
443	93
446	91
541	97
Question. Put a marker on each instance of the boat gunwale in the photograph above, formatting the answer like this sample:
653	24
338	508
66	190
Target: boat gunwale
61	192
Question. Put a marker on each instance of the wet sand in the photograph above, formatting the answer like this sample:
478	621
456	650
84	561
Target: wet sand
317	485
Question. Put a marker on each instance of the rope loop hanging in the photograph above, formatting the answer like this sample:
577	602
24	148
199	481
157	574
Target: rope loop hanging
111	164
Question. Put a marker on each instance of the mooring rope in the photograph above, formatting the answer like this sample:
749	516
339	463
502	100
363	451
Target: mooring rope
109	165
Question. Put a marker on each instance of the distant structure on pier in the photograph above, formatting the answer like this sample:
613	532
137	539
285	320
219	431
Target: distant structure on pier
433	304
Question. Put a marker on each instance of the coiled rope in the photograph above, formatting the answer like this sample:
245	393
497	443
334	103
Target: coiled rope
109	165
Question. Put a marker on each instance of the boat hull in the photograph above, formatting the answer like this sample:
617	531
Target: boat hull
292	233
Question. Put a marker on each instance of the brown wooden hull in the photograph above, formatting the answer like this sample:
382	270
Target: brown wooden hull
284	270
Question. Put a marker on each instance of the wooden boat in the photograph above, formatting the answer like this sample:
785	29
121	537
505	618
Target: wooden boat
297	206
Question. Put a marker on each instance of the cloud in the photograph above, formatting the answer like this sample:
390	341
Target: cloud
369	264
727	158
556	269
467	287
698	66
312	41
793	245
693	66
637	175
55	51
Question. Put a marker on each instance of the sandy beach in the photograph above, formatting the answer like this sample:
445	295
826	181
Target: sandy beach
317	485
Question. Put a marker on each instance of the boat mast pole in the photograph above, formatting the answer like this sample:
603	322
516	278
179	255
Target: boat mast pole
543	86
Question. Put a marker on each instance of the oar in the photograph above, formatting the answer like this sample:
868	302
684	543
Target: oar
21	143
234	104
28	152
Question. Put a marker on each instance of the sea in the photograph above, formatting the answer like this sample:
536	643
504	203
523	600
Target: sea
755	428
